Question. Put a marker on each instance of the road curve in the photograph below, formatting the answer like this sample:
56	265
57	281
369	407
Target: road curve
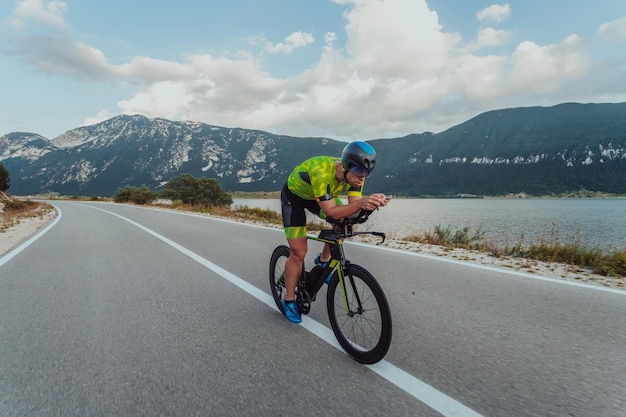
118	310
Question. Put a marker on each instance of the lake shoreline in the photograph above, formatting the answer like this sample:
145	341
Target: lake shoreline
24	229
586	223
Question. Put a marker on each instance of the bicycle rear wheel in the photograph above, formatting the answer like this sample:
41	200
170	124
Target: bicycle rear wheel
361	320
277	275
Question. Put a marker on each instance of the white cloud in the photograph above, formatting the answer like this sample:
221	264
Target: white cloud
480	78
497	13
543	68
100	117
292	42
162	99
47	13
531	69
614	31
396	38
488	38
60	55
398	72
150	70
493	37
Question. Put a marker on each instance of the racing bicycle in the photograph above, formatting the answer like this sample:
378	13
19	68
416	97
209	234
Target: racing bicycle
357	307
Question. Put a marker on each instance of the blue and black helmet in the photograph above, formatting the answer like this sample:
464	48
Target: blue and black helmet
360	154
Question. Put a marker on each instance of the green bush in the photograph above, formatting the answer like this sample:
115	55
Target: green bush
13	205
137	195
194	191
122	195
5	178
142	195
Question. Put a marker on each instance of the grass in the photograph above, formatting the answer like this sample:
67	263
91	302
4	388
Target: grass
255	194
461	238
13	210
609	262
243	213
237	212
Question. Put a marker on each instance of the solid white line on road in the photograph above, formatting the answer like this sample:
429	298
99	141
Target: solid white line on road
502	270
6	258
423	392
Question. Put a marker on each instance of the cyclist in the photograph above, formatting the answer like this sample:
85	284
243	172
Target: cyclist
315	185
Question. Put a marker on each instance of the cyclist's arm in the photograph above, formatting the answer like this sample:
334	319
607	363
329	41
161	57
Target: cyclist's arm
332	209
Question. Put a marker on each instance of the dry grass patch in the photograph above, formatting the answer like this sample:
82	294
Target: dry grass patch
13	210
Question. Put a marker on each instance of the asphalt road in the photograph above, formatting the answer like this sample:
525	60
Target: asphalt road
117	310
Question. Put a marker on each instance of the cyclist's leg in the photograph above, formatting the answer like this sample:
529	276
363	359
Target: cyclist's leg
325	255
293	265
294	222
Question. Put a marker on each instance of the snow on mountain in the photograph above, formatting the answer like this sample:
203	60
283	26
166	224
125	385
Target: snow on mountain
564	147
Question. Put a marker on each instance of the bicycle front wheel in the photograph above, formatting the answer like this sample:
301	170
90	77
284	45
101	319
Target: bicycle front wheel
360	317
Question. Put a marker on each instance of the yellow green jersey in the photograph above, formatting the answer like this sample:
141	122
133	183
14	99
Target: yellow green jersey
316	179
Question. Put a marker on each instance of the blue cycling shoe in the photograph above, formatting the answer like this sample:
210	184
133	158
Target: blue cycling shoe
319	262
291	311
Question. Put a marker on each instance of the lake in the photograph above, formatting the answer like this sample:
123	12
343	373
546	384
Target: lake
593	223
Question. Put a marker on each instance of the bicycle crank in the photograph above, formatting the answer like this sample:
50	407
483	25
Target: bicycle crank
303	300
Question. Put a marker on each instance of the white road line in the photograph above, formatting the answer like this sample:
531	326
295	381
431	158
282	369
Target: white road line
8	256
501	270
423	392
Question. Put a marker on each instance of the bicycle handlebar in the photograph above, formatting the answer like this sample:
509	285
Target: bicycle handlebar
343	227
359	217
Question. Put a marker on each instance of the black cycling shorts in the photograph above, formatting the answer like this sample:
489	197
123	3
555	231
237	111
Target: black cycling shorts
294	215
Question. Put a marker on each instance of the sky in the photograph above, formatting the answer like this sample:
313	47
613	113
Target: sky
342	69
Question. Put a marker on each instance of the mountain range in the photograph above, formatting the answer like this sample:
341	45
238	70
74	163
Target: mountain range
536	150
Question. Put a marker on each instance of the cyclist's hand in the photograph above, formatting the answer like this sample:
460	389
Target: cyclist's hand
381	199
373	201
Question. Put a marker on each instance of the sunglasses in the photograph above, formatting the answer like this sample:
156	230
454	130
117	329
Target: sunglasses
359	171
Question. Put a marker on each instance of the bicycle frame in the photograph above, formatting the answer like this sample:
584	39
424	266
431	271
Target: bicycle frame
338	263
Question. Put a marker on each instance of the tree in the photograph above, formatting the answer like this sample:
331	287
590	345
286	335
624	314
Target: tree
196	191
5	178
141	195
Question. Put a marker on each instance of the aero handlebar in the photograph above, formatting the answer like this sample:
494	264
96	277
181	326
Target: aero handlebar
343	227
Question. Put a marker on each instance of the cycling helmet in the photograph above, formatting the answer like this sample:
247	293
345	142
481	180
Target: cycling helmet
360	154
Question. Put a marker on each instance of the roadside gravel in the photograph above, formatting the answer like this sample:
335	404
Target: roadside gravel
17	229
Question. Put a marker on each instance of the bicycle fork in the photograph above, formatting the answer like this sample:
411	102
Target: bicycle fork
343	283
340	266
